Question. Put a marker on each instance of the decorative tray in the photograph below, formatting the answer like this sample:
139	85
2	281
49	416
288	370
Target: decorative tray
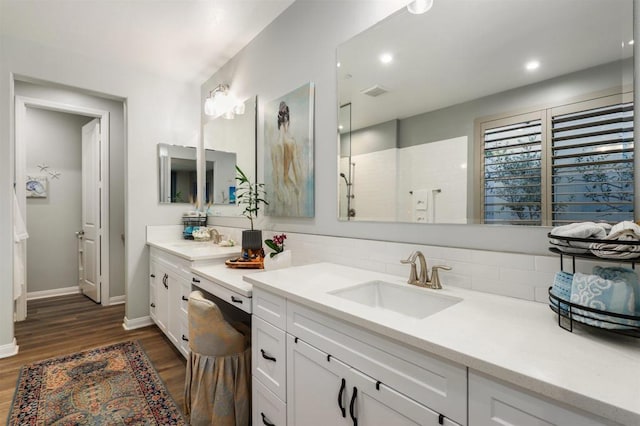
242	263
569	312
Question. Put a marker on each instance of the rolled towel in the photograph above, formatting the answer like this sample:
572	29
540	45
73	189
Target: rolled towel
593	291
561	288
578	230
623	231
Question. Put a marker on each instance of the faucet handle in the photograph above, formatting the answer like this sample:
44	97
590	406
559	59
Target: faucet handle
413	275
435	276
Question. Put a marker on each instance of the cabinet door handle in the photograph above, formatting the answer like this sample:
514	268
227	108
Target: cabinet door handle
186	299
153	305
235	299
352	406
266	421
195	280
164	281
153	275
340	395
266	356
185	338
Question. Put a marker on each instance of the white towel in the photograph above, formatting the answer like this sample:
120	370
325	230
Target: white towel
578	230
623	231
19	234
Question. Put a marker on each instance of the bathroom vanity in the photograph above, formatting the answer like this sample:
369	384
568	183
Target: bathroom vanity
326	351
176	267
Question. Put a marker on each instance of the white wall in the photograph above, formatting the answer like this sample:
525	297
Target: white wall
157	110
54	139
115	108
300	46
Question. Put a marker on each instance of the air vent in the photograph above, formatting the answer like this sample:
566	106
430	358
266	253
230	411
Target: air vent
374	91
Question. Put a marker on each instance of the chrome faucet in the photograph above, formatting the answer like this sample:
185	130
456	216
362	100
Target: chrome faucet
422	279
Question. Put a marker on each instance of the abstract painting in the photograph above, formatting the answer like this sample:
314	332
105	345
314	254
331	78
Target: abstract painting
288	155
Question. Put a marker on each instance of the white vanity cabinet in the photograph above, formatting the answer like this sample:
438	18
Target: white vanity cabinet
339	374
494	403
169	287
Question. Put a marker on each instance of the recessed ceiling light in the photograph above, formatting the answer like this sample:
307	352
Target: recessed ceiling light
630	42
418	7
338	64
341	127
532	65
386	58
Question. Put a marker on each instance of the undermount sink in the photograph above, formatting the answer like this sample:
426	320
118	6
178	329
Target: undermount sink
406	300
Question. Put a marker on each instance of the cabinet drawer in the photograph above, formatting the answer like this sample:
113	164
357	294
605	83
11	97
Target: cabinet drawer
235	299
268	354
493	403
269	307
429	380
267	409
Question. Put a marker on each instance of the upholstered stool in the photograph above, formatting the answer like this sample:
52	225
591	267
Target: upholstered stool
218	383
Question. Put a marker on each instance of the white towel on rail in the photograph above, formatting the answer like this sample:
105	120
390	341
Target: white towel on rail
19	234
578	230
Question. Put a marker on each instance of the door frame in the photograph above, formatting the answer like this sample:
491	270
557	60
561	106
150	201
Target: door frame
21	105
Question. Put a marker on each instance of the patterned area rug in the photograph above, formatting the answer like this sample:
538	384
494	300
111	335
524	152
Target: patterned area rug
104	386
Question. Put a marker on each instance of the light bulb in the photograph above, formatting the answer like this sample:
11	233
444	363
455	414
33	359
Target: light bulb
209	107
418	7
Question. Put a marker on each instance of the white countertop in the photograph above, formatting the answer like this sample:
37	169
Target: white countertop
514	340
227	277
195	250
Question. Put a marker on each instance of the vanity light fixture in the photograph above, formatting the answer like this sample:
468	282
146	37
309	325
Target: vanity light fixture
418	7
532	65
221	102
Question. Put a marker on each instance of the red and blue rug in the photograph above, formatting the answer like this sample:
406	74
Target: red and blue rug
114	384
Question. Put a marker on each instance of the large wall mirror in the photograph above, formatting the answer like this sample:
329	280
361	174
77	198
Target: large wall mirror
177	174
491	112
227	143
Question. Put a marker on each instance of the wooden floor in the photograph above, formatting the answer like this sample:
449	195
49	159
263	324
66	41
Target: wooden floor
67	324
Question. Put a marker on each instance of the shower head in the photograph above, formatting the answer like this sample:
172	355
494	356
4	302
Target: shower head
345	178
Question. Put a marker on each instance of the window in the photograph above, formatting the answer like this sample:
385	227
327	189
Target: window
561	165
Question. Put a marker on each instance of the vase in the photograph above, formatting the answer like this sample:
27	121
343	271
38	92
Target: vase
252	239
279	261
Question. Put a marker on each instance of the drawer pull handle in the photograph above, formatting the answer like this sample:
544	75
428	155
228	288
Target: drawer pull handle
265	356
340	395
440	419
195	280
266	421
235	299
185	298
153	305
352	406
153	275
164	281
185	338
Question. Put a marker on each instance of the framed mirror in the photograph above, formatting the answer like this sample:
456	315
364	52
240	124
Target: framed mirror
227	143
177	174
420	97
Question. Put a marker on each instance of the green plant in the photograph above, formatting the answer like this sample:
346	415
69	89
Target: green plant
276	244
250	194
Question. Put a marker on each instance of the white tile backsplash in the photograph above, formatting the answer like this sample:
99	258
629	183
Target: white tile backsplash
509	274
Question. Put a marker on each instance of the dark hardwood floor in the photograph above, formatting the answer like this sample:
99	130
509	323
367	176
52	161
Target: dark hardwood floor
67	324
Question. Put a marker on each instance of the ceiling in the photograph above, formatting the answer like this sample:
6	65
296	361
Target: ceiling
181	39
466	49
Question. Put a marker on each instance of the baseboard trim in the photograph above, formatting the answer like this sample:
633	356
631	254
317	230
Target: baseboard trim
52	293
132	324
9	349
117	300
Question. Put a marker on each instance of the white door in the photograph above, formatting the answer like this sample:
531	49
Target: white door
91	227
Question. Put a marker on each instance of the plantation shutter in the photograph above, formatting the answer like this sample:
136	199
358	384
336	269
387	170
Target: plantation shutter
512	173
592	165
